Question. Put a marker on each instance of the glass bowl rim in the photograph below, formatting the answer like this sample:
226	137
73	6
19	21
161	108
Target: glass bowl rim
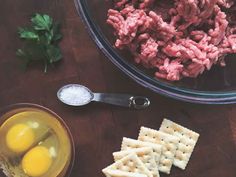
183	94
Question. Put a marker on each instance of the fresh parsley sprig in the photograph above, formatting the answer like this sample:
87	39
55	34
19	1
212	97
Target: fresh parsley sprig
41	41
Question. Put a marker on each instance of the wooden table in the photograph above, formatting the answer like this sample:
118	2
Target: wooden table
98	129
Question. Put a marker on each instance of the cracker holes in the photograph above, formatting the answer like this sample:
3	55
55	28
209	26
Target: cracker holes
130	163
136	170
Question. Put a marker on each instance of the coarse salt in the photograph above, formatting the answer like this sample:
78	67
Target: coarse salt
75	95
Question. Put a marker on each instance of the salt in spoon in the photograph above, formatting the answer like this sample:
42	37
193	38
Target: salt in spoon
79	95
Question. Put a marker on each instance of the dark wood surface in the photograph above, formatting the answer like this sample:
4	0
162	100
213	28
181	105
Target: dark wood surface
98	129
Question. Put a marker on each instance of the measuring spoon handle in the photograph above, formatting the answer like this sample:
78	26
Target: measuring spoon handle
125	100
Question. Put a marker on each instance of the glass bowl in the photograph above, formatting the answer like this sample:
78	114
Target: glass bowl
217	86
42	116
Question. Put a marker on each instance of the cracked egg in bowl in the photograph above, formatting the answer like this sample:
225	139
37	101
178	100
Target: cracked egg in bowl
35	142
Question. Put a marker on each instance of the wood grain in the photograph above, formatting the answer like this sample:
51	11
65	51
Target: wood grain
97	128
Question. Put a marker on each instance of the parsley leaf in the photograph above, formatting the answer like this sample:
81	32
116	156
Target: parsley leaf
27	33
40	41
41	22
55	32
25	61
54	53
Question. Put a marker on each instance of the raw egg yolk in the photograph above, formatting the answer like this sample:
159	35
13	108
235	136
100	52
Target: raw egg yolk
19	138
37	161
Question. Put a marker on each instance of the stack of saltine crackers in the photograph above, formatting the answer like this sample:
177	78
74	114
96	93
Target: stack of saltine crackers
154	151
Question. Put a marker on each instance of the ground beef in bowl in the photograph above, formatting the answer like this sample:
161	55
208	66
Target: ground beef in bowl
176	38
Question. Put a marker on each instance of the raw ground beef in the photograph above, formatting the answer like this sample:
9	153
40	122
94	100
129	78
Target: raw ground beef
176	38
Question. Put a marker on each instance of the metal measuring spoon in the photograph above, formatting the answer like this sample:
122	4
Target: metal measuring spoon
79	95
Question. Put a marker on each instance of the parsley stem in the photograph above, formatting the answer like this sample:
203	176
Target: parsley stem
45	66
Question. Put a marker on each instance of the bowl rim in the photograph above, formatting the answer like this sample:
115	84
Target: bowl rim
183	94
7	108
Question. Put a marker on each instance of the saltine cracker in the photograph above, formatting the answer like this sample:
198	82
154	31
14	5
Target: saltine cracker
145	154
169	145
187	142
130	164
128	143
